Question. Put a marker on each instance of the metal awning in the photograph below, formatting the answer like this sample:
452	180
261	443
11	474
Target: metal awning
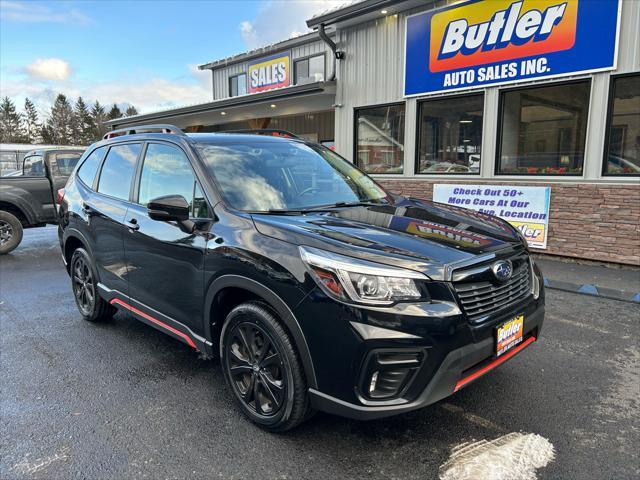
296	99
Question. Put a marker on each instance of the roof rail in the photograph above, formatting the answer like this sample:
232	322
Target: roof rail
156	128
264	131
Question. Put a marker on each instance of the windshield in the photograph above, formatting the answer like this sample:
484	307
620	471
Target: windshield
266	176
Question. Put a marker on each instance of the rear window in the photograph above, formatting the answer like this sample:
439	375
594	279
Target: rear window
33	166
89	168
66	162
117	170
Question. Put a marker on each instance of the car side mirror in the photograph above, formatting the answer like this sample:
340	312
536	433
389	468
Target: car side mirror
169	208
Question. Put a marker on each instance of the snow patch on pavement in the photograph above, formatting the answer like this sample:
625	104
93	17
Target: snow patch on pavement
514	456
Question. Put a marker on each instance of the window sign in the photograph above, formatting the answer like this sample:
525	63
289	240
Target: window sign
481	43
526	208
268	73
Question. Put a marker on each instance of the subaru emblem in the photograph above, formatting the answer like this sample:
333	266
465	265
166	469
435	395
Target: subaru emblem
502	270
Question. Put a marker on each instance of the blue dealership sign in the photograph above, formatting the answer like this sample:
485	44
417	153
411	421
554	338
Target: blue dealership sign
490	42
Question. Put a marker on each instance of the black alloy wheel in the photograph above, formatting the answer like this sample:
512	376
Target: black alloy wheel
84	282
261	364
256	369
83	285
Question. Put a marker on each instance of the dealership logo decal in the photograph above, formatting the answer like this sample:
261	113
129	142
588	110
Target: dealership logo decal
502	270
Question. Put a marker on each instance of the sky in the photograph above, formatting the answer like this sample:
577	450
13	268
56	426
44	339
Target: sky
138	52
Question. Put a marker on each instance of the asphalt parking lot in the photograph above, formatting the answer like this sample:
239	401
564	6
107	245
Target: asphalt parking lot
122	400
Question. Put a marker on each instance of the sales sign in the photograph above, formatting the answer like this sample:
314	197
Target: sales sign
526	208
268	73
490	42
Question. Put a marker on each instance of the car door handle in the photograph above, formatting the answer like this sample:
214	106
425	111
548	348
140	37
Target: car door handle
133	224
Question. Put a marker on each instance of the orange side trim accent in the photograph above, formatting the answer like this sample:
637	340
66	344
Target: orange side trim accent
182	335
498	361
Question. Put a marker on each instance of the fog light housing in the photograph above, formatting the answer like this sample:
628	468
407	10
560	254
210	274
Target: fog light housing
388	373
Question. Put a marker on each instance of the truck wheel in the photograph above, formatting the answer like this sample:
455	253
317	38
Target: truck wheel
93	308
261	364
10	232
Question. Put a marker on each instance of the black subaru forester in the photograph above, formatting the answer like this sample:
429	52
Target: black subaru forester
317	288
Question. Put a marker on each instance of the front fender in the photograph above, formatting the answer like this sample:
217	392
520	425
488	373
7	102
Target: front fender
282	309
21	204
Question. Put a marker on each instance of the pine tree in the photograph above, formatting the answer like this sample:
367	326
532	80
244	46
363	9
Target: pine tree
46	133
33	127
98	117
83	126
114	113
11	123
131	111
60	122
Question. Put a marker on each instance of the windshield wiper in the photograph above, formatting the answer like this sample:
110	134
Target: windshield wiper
345	204
290	211
318	208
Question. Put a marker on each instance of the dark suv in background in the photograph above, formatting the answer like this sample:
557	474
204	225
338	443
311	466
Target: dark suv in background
318	289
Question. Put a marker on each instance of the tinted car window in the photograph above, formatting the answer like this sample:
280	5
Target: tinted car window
66	162
166	171
88	169
286	175
33	166
117	170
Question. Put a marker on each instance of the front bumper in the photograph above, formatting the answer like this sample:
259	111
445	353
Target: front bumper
459	367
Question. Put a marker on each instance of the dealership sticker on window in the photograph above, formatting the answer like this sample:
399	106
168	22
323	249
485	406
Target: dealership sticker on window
526	208
478	43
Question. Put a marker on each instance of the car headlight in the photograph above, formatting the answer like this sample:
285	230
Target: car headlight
361	281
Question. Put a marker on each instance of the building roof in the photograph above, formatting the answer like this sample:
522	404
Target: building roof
262	51
358	11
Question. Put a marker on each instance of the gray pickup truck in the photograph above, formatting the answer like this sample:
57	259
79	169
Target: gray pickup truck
28	197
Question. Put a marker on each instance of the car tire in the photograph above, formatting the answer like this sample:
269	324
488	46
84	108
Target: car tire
84	283
10	232
258	356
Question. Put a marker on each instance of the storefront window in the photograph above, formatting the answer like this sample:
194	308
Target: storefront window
543	130
380	139
310	70
238	85
450	135
622	155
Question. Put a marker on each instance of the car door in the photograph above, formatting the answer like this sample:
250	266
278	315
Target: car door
165	260
37	186
61	165
105	211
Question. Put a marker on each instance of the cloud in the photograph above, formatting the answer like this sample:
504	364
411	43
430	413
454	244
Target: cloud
248	33
49	69
32	12
146	92
278	20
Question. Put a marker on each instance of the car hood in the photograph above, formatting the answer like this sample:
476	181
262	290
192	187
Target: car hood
411	233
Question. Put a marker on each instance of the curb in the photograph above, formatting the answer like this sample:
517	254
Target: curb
592	290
